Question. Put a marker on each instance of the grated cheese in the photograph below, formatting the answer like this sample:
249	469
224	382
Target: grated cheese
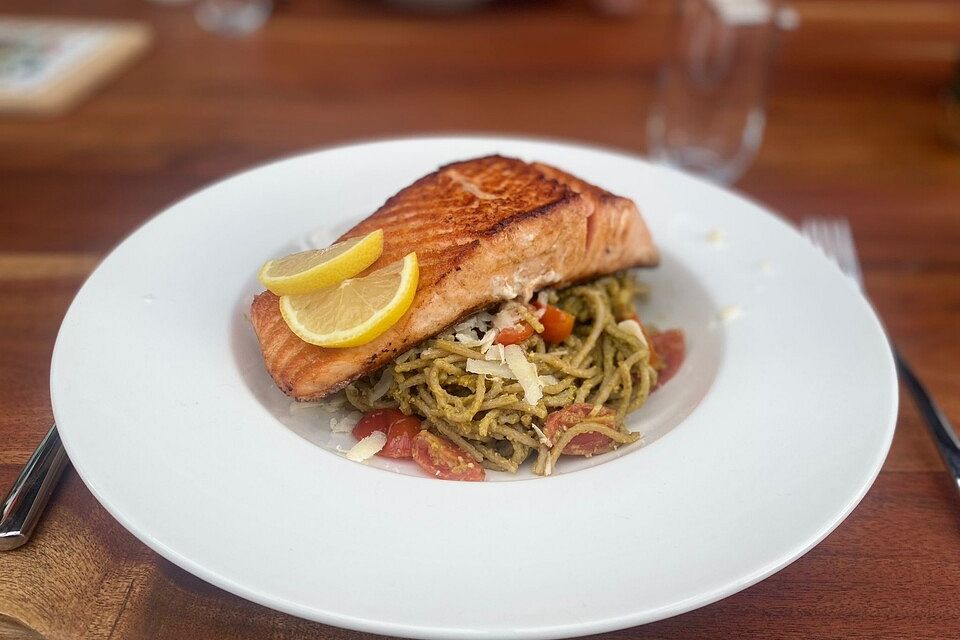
526	374
368	447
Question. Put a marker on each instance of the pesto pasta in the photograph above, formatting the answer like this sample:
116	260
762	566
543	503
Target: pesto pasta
488	412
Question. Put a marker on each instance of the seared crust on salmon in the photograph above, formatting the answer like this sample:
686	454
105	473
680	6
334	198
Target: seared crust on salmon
485	230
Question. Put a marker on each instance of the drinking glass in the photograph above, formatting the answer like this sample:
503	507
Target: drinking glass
708	115
233	17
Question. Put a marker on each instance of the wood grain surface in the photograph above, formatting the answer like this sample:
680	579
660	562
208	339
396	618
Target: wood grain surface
855	129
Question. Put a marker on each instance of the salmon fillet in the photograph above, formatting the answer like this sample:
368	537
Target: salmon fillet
485	230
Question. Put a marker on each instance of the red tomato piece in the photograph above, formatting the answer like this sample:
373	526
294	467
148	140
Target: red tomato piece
585	444
557	324
442	459
672	349
514	335
400	437
379	420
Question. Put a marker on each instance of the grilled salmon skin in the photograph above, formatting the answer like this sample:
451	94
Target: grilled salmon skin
485	230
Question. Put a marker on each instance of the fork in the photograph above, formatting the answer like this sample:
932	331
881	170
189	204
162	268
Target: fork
834	237
23	506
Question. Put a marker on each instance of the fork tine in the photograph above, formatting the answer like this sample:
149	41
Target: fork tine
845	237
834	237
808	227
823	238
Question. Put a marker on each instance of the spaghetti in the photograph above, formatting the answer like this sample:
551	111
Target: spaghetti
603	362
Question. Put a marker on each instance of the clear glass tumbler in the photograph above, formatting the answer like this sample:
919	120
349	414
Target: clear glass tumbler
233	17
708	115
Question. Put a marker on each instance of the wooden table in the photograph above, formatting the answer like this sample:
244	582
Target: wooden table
854	130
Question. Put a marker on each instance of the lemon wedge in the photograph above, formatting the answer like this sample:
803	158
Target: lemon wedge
355	311
318	268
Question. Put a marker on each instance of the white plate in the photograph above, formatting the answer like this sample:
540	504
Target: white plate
769	436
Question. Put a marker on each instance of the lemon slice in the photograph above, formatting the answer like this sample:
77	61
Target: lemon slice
311	270
355	311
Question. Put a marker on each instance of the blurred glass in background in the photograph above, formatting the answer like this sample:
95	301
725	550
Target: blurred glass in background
228	17
233	17
708	114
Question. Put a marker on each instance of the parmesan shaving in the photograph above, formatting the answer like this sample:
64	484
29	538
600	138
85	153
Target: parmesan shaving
633	327
346	423
479	321
383	385
488	368
548	380
368	447
467	340
479	324
487	340
496	353
467	326
403	357
526	374
544	440
507	317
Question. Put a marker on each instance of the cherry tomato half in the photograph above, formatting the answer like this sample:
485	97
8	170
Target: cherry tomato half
400	437
585	444
379	420
557	324
514	335
442	459
672	348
